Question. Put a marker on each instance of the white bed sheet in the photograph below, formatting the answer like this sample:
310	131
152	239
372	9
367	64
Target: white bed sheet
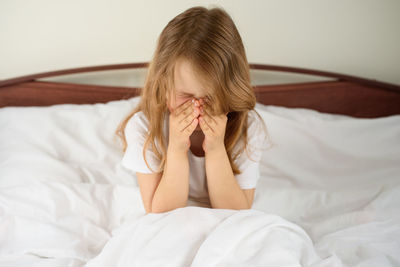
329	195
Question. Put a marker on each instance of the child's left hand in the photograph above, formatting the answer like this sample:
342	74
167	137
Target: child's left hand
213	128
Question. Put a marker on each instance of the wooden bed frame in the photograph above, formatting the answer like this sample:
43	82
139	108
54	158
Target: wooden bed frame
346	95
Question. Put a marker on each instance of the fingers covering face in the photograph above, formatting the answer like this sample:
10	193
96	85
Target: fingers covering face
187	112
190	128
182	107
185	121
186	116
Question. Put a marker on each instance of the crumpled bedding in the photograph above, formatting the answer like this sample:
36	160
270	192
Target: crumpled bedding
195	236
329	195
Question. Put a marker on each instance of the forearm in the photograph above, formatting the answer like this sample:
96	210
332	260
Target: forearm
173	190
223	189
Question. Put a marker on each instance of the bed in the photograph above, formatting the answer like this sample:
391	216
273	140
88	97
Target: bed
328	195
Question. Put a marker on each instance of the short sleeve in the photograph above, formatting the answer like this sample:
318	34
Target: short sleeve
135	134
250	167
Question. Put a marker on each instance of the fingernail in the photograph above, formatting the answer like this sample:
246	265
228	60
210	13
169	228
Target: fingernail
196	103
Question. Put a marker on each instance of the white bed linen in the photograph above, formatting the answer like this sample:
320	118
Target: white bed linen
329	192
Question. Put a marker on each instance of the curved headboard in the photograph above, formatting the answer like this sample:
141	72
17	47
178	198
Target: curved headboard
345	94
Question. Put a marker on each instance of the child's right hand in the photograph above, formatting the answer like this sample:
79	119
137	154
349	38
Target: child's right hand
182	122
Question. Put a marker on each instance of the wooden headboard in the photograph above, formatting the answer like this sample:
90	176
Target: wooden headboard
345	94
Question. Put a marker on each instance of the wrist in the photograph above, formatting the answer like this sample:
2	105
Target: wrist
175	150
215	150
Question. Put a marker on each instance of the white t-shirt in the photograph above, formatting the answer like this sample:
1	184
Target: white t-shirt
136	131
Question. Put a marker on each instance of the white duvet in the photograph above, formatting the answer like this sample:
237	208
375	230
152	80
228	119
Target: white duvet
329	195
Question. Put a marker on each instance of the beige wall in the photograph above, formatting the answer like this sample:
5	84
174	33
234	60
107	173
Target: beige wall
358	37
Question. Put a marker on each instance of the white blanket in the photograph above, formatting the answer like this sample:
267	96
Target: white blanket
329	195
197	237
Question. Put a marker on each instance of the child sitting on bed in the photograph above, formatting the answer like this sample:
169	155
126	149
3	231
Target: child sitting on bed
187	136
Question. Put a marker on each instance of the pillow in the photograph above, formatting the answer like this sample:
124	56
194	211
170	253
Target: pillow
316	150
67	143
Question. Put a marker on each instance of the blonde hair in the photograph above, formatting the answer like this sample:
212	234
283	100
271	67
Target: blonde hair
210	41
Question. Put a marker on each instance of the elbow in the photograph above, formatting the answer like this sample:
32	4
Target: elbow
245	206
155	209
237	207
249	205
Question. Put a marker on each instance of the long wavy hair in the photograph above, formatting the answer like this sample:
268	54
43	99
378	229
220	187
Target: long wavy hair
210	41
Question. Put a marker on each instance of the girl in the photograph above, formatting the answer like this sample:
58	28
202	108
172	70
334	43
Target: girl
186	138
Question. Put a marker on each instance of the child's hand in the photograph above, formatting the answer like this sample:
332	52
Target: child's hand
182	122
213	128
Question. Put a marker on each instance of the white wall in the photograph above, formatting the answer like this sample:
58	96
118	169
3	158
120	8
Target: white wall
359	37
